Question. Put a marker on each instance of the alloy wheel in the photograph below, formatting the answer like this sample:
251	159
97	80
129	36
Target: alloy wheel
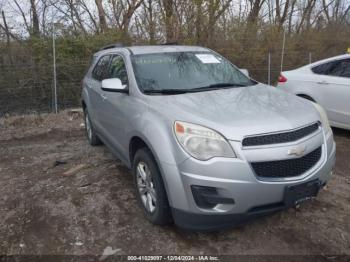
88	126
146	187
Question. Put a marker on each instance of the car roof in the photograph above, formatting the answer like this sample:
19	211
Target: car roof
151	49
330	59
319	62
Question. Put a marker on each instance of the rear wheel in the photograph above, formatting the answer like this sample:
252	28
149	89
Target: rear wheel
90	133
150	189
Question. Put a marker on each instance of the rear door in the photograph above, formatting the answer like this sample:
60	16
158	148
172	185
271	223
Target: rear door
334	83
95	92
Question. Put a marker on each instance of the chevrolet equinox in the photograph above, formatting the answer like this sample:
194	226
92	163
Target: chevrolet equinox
208	146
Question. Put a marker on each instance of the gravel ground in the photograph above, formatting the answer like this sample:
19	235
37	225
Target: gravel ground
45	210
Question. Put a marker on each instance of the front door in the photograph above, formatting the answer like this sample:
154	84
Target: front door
95	92
115	116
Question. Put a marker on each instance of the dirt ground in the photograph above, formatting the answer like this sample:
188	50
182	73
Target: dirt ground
44	211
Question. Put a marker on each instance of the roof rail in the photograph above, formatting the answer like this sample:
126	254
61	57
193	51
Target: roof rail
112	46
170	43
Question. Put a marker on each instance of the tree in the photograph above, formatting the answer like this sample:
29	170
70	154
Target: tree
101	16
123	11
35	19
281	16
255	7
169	20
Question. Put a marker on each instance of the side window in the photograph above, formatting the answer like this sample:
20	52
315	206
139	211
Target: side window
324	69
99	71
344	68
117	69
334	68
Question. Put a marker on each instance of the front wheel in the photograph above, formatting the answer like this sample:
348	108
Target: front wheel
150	188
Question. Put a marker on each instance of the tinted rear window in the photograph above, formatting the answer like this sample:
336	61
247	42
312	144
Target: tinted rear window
335	68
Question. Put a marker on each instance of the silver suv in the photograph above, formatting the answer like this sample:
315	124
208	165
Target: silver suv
208	146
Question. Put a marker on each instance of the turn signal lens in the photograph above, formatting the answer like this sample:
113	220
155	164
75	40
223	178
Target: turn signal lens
179	128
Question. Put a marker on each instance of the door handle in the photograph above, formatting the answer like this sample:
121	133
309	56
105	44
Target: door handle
323	82
103	97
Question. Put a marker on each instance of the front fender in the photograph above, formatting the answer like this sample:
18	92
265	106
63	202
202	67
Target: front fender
157	133
85	97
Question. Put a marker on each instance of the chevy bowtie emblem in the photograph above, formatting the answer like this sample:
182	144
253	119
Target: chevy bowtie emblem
297	151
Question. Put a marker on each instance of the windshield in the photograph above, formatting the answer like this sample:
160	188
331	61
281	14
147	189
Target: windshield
186	71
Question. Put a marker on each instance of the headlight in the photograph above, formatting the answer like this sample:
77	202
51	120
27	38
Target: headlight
324	118
201	142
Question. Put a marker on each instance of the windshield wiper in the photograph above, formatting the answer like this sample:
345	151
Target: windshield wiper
193	90
166	91
216	87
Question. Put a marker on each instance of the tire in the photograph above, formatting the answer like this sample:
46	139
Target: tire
150	189
89	130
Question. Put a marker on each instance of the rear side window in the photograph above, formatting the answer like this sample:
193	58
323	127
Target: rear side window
324	69
100	69
342	69
334	68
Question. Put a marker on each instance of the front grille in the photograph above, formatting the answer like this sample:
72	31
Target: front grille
287	168
280	137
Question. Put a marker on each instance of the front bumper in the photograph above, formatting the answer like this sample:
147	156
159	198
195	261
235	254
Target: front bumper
235	179
205	222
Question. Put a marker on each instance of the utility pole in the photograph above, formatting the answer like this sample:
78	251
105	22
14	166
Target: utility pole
283	44
269	69
310	58
54	67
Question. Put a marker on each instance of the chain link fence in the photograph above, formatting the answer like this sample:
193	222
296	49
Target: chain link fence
30	88
34	93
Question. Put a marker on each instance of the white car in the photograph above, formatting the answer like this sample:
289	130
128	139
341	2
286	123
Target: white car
326	82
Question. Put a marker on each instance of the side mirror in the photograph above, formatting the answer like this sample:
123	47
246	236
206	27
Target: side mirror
244	71
113	85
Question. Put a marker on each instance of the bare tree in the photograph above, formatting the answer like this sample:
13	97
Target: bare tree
101	15
290	16
123	12
75	15
6	29
281	16
199	19
35	19
92	18
216	9
254	11
23	15
169	19
306	15
150	21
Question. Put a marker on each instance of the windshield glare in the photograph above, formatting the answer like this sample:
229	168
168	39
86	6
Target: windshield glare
185	71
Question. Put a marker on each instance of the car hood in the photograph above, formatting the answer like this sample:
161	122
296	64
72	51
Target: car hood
238	112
